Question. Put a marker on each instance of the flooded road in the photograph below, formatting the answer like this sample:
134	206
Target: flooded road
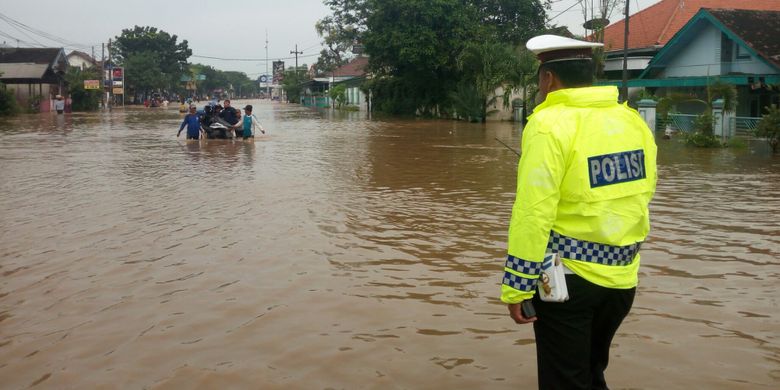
339	252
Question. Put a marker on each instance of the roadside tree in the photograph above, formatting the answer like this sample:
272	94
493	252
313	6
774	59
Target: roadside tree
170	56
143	73
82	99
341	32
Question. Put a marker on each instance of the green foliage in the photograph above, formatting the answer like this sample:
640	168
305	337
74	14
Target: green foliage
769	127
488	66
511	22
702	135
467	102
422	51
8	104
703	123
721	90
391	95
702	140
215	79
340	31
339	95
418	41
292	85
168	55
143	72
82	99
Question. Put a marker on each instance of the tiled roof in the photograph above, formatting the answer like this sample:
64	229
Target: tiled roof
759	29
657	24
29	55
355	68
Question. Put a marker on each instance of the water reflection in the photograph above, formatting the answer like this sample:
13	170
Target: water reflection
345	252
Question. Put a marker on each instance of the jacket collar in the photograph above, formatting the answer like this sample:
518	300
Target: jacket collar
581	97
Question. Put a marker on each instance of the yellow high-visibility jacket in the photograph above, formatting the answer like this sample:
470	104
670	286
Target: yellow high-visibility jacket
587	172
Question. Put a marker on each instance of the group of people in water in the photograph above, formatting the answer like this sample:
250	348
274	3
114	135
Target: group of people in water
217	121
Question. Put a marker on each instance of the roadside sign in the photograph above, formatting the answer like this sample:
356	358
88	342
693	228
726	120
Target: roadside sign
119	91
91	84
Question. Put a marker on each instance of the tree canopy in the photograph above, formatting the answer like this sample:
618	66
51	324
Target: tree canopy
420	51
150	47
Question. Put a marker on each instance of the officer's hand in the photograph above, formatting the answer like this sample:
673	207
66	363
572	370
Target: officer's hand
517	314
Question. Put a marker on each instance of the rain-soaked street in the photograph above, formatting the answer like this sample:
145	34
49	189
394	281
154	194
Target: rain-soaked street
342	252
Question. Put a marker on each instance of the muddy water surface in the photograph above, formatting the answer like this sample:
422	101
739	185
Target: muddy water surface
341	252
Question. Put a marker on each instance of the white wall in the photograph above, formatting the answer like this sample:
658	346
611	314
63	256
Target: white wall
700	57
752	65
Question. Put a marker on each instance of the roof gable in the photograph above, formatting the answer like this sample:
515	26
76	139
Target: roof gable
761	26
657	24
80	54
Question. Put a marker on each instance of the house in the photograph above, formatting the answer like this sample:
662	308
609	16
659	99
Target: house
653	27
351	75
34	74
738	47
81	60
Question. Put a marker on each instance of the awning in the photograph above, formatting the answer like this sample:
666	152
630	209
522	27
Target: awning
22	71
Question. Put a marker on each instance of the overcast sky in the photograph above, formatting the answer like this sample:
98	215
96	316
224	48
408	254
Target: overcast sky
234	29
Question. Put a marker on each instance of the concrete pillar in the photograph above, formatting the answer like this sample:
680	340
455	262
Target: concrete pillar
647	112
717	118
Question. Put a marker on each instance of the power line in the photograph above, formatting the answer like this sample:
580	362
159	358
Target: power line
21	27
566	10
252	59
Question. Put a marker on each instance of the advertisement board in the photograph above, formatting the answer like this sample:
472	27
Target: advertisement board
91	84
278	67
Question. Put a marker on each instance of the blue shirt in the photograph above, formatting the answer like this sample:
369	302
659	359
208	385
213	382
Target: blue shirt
193	125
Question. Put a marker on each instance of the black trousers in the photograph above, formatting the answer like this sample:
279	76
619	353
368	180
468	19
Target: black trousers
573	337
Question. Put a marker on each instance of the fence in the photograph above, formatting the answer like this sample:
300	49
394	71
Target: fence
743	125
682	122
315	101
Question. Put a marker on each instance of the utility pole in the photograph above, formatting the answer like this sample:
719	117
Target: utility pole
296	52
624	87
267	89
110	77
103	73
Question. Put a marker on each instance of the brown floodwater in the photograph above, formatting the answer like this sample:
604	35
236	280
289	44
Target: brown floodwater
339	252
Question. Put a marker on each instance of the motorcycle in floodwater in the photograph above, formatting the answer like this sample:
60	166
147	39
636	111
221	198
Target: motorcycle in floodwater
214	126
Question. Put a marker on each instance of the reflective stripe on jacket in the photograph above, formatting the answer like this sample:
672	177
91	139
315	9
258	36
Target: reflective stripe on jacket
587	172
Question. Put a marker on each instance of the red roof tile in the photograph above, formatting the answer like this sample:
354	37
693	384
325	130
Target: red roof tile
356	68
657	24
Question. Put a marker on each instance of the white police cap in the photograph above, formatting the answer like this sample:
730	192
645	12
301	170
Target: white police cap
550	48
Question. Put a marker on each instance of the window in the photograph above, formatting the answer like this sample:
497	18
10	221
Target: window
726	48
742	52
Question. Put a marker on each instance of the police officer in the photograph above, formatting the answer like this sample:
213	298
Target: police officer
584	182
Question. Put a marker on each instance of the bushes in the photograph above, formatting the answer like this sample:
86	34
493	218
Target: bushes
702	136
8	105
83	99
769	127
